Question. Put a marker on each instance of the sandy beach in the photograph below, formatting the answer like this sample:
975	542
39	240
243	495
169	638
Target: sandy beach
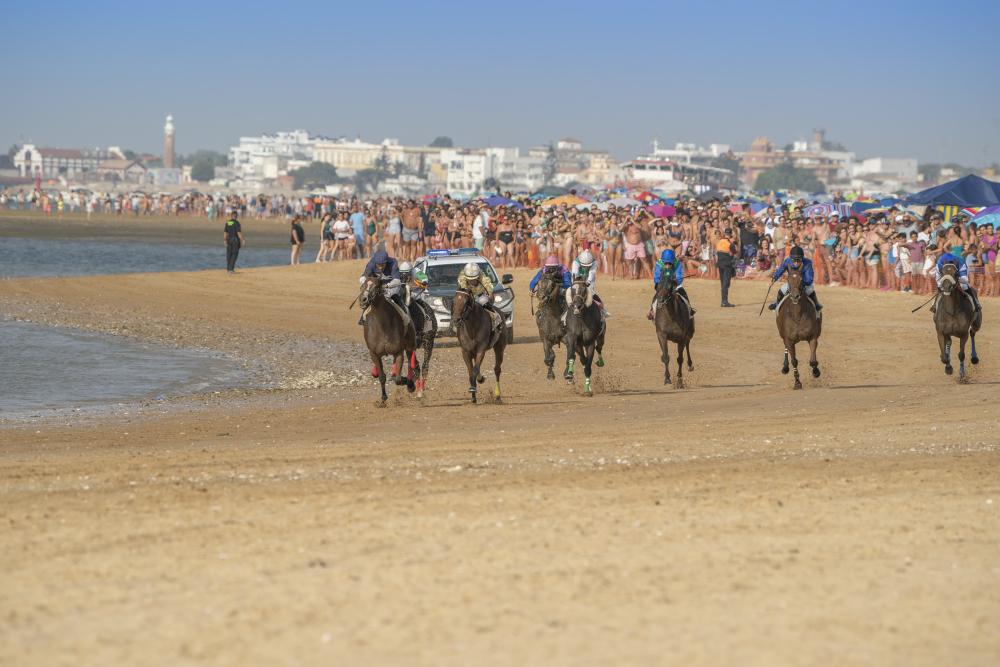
292	522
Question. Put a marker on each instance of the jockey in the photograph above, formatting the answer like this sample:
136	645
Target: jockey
479	285
387	269
585	269
552	266
962	274
666	266
796	260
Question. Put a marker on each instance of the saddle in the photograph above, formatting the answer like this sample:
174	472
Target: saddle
497	327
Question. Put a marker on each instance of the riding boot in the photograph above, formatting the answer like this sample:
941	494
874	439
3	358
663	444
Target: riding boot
774	304
934	305
816	302
975	299
652	310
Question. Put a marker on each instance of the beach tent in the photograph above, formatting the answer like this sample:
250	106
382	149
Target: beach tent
969	190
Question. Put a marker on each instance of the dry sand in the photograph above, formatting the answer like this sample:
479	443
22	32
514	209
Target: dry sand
732	522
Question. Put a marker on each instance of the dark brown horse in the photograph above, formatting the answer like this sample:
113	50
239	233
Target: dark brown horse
955	316
551	328
476	335
798	321
674	324
386	333
584	333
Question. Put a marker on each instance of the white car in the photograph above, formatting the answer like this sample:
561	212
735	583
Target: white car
442	268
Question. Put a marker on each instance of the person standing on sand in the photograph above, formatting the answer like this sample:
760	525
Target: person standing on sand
725	250
298	240
233	236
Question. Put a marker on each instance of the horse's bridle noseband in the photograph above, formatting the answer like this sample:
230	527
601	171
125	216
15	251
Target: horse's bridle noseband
465	307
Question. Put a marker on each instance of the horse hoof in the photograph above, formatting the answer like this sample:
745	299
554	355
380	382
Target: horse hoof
948	370
679	384
690	367
410	386
666	381
380	404
600	363
784	370
974	360
797	385
816	372
550	375
481	378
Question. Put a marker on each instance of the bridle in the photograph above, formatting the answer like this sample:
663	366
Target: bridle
794	285
578	296
948	279
467	303
552	287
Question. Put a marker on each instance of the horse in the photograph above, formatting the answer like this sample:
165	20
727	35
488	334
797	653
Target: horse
674	324
425	340
798	320
584	333
476	335
387	334
551	328
955	316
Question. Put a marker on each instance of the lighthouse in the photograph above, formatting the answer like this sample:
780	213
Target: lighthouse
168	142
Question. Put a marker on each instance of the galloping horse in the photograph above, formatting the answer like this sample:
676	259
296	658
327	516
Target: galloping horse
584	333
955	316
386	333
674	324
551	328
476	334
798	321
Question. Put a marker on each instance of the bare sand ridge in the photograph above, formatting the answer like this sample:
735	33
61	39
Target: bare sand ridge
733	522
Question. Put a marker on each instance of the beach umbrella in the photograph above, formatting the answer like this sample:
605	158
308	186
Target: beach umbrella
565	200
626	202
988	216
818	210
662	210
497	200
552	191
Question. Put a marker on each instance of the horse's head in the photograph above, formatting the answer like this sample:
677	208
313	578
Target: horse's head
578	294
794	278
949	278
666	288
371	290
460	306
548	286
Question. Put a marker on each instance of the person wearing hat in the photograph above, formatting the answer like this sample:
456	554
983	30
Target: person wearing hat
554	268
386	269
796	260
667	266
585	268
478	284
725	253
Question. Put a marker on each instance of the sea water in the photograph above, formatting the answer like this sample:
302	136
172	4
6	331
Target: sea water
43	367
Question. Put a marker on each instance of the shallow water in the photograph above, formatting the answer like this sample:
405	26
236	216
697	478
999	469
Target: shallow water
25	257
46	367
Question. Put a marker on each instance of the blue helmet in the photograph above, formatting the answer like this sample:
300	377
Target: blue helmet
380	257
668	256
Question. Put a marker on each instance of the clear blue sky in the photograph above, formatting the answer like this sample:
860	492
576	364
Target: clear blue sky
899	79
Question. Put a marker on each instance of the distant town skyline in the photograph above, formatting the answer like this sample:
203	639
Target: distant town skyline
887	79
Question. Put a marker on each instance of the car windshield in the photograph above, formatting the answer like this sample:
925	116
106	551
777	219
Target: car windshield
444	277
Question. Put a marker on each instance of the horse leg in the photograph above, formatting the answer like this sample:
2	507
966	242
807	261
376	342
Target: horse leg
975	357
687	346
961	358
380	374
944	342
570	358
425	366
600	348
587	356
414	369
795	367
665	358
813	362
680	367
477	364
498	362
549	357
784	366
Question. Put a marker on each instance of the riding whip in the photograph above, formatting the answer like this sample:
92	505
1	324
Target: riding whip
763	305
354	302
924	304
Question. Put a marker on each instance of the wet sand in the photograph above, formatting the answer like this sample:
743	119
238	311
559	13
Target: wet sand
734	521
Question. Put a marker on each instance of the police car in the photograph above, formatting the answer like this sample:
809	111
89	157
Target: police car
442	268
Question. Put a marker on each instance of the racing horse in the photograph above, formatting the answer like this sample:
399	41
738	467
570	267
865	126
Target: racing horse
955	316
386	333
674	324
424	319
798	321
476	335
584	333
551	328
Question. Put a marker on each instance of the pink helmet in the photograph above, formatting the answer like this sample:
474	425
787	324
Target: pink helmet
551	261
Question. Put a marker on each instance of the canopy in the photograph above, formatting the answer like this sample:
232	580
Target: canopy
552	191
497	200
988	216
625	202
969	190
567	200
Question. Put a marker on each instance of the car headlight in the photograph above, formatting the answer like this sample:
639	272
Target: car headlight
438	302
498	298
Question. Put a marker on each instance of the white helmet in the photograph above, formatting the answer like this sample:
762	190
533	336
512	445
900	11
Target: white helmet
471	270
586	258
405	267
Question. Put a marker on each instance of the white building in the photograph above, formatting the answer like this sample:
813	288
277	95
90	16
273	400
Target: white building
464	170
357	154
901	169
267	156
512	171
32	161
690	153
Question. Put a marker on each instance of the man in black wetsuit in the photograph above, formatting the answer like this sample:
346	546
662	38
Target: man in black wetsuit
233	235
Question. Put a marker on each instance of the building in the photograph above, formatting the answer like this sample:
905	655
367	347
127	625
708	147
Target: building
570	162
829	165
128	171
684	153
464	171
164	176
168	143
267	156
507	170
31	161
667	174
356	154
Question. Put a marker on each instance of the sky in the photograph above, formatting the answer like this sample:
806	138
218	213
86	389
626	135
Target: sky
893	79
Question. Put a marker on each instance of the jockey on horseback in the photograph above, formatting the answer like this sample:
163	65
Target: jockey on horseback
386	269
478	284
796	260
666	266
414	286
554	268
962	273
585	270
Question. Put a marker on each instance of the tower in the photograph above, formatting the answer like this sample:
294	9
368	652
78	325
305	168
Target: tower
168	143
